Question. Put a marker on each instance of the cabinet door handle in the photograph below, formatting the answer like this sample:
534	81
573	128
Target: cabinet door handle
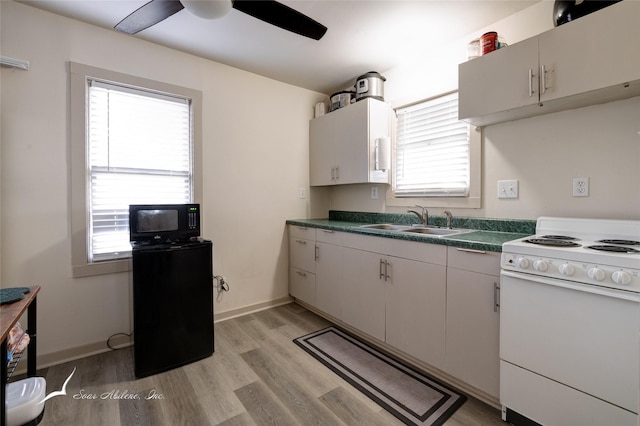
386	270
530	82
328	231
302	274
337	172
496	297
381	273
301	242
543	79
317	252
466	250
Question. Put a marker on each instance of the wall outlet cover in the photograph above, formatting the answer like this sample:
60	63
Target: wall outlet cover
581	187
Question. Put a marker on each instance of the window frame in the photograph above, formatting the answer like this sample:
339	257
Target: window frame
79	75
472	200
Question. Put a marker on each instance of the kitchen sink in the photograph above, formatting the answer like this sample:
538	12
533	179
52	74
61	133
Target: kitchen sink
387	227
416	229
436	231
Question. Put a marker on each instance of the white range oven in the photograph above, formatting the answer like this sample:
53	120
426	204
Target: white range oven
570	322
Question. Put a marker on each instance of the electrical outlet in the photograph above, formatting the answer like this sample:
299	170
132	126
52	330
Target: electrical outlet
581	187
302	193
507	189
374	192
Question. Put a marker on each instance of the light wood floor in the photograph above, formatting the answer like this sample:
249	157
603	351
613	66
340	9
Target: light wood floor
256	376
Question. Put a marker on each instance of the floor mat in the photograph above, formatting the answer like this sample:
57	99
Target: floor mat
410	396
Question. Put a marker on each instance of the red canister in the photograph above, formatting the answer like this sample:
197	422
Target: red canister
489	42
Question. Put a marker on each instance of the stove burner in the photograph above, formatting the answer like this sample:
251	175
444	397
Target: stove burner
614	249
620	242
544	241
558	237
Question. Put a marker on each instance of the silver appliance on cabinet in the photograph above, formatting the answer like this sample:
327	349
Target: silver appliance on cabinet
569	323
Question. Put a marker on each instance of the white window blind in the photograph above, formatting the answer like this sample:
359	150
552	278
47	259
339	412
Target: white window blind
139	152
432	150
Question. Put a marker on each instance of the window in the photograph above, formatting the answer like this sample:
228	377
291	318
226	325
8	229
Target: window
437	158
432	150
139	145
133	142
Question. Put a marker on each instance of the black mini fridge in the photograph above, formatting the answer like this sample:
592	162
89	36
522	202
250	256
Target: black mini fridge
172	305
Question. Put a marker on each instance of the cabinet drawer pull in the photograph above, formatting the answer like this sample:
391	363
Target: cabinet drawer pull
466	250
302	228
301	242
302	274
530	82
328	231
496	297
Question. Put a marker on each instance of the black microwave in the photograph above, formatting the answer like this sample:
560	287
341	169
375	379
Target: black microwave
163	222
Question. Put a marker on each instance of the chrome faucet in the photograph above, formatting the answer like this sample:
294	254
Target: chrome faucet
449	217
424	215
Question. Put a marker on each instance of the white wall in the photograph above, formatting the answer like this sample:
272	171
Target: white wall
255	156
544	153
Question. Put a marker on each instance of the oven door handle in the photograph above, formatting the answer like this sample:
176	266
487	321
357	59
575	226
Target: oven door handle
587	288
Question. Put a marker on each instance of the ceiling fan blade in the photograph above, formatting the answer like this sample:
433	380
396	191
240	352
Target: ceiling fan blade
281	16
148	15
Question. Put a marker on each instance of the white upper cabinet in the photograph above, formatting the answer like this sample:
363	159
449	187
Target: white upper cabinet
591	60
342	144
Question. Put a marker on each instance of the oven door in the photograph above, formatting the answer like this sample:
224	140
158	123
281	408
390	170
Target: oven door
569	352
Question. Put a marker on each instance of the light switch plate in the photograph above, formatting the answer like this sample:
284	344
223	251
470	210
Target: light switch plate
508	188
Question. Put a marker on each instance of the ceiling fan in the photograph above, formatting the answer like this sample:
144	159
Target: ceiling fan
269	11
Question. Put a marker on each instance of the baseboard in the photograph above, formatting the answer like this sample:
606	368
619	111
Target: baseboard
122	341
234	313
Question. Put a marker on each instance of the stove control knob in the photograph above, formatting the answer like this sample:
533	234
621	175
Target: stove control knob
522	262
621	277
566	269
540	265
596	273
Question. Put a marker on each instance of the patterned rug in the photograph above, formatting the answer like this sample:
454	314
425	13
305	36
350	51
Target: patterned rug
410	396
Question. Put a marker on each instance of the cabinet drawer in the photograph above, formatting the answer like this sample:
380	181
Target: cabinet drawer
485	262
302	254
302	285
423	252
329	236
302	232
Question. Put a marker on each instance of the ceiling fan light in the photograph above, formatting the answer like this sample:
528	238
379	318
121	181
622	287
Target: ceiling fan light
208	9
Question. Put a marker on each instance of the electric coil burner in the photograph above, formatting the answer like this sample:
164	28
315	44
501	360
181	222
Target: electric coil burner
554	242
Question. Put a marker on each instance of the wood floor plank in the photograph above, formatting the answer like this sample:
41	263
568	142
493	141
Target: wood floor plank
212	392
263	406
352	411
279	379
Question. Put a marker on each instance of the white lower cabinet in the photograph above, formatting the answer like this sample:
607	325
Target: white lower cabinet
415	314
302	263
363	303
473	318
395	291
329	277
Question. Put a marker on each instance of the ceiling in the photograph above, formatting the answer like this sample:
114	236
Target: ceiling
362	35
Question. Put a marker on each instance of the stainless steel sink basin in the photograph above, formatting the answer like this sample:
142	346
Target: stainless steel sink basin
387	227
436	231
416	229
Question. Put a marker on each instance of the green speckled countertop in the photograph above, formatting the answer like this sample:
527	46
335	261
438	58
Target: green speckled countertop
486	234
